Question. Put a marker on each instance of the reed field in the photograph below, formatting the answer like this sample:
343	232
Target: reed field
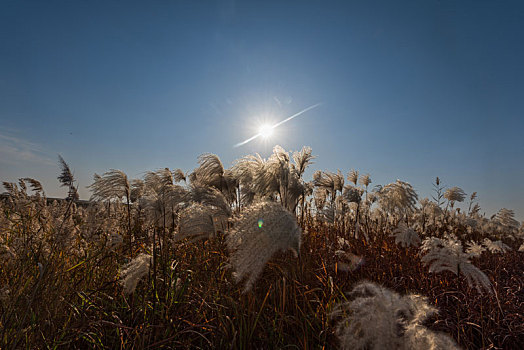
256	256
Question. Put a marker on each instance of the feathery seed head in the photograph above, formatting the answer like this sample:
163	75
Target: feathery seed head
398	196
258	232
196	222
496	246
365	180
133	272
506	218
475	249
353	176
406	236
352	194
455	194
378	318
447	254
302	159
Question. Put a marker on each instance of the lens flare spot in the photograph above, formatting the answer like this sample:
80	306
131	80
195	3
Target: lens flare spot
260	223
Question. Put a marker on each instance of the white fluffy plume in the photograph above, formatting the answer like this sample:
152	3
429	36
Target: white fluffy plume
377	318
260	231
133	272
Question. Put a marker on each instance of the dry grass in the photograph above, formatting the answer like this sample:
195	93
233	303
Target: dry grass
193	302
62	267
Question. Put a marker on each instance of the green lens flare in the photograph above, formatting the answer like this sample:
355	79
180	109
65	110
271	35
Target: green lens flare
260	223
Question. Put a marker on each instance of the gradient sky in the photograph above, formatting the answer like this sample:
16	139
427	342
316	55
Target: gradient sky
409	89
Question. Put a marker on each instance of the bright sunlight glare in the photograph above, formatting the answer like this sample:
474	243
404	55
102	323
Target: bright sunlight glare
266	131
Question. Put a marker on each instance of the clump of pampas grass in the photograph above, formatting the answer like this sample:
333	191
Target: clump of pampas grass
259	232
377	318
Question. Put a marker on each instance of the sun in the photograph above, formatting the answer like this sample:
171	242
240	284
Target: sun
265	131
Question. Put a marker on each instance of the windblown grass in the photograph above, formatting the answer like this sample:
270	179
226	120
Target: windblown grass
155	268
194	302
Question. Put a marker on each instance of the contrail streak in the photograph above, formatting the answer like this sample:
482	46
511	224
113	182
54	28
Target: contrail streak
279	123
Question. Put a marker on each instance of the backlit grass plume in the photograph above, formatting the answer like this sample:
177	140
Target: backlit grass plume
398	197
259	232
211	173
506	218
114	184
67	179
196	222
495	246
406	236
475	249
378	318
330	181
454	194
302	159
274	178
133	272
448	254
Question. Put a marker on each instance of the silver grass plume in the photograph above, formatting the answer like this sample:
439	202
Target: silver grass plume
339	181
161	196
398	196
496	246
211	173
159	180
246	170
113	184
328	213
36	186
352	194
330	181
406	236
210	197
178	175
134	271
257	234
377	318
67	179
287	180
455	194
255	177
506	218
320	196
280	153
207	215
353	176
365	180
418	337
210	169
302	159
475	249
137	190
476	207
295	189
11	188
448	254
274	178
195	222
22	185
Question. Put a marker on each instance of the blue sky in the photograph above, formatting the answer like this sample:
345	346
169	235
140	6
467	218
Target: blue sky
409	89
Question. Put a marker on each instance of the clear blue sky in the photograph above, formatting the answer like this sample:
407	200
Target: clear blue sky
409	89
